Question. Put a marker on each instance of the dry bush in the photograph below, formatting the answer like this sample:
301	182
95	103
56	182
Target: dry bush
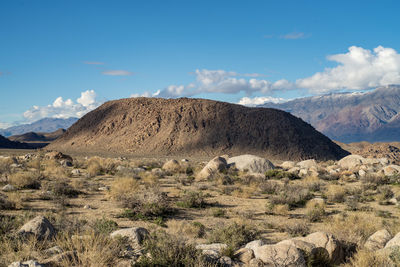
5	165
374	179
315	211
94	167
123	189
23	180
149	179
192	199
5	203
385	193
293	228
270	187
335	193
278	209
52	169
91	249
185	228
314	184
234	235
292	195
353	228
369	258
244	192
35	164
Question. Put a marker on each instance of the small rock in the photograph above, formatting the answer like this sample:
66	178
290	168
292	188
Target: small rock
225	261
39	227
254	244
171	166
87	207
104	188
307	164
351	161
135	235
378	240
8	188
75	172
287	165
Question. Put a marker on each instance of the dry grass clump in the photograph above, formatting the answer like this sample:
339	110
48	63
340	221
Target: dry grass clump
278	209
192	199
335	193
385	193
292	195
185	228
24	180
123	189
162	249
5	165
234	235
315	211
293	228
354	228
94	167
280	174
369	258
314	184
52	169
149	179
244	192
270	187
91	249
5	203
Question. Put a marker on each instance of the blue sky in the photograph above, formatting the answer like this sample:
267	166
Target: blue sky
224	50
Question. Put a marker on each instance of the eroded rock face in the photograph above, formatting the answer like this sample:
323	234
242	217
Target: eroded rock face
378	240
244	255
214	166
135	235
391	170
39	227
254	244
280	255
308	164
287	165
395	241
327	241
251	163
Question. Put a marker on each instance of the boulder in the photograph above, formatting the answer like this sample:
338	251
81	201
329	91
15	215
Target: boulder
256	263
58	156
251	163
135	235
287	165
171	166
66	163
294	170
8	188
395	241
244	255
391	170
214	166
254	244
310	249
30	263
280	255
327	241
39	227
307	164
351	162
225	261
378	240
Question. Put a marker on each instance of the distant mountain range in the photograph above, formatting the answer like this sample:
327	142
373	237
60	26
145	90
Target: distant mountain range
372	116
45	125
5	143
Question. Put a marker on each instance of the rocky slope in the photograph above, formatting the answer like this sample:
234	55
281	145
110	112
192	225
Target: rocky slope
37	137
45	125
351	117
5	143
154	126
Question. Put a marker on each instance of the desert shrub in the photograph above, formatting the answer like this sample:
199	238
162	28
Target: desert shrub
6	204
185	228
162	249
149	179
313	183
123	190
147	205
351	203
277	209
296	228
354	228
385	192
104	226
192	199
94	168
369	258
292	195
25	180
61	188
270	187
92	249
244	192
234	235
280	174
335	193
52	169
218	212
5	165
315	211
374	179
393	179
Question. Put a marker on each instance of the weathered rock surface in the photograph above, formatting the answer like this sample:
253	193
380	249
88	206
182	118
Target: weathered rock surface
280	255
351	162
214	166
251	163
171	166
395	241
378	240
135	235
39	227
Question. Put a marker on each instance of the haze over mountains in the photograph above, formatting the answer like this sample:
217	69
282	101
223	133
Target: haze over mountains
46	125
186	126
351	117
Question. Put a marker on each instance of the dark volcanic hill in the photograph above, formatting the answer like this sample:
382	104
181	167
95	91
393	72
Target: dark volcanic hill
37	137
156	126
351	117
46	125
5	143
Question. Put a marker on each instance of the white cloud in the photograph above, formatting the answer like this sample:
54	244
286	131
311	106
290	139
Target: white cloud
357	69
64	109
259	100
117	72
227	82
146	94
293	36
4	125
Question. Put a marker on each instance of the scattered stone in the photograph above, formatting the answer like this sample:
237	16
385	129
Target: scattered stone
30	263
351	161
244	255
225	261
171	166
327	241
307	164
287	165
378	240
254	244
87	207
66	163
280	255
39	227
75	172
8	188
395	241
104	188
294	170
138	170
135	235
53	251
251	163
214	166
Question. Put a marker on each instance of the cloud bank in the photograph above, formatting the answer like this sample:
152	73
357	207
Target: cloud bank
61	108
